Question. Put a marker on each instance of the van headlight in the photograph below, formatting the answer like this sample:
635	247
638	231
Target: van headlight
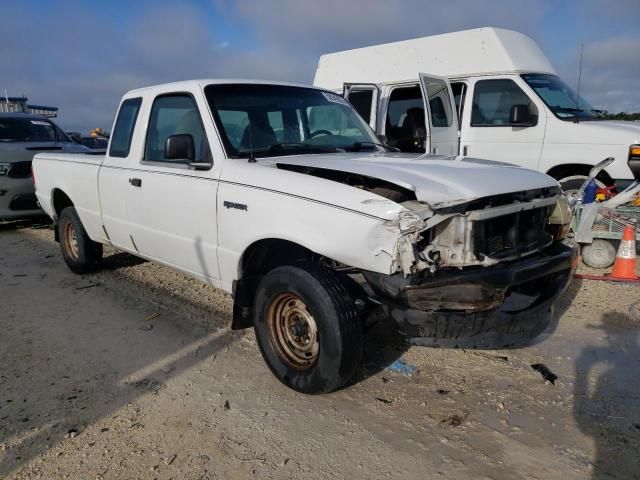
4	168
560	218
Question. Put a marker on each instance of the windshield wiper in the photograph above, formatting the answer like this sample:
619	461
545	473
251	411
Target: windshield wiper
358	146
568	109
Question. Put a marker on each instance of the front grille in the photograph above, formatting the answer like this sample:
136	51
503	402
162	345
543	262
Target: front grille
20	170
25	201
512	235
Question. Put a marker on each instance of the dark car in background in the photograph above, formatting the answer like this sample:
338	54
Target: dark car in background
21	137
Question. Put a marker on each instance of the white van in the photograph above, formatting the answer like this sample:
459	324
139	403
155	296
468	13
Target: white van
491	94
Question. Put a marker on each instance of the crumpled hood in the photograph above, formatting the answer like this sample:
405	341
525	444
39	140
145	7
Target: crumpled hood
437	180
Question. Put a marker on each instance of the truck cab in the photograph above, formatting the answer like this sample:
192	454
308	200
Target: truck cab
486	93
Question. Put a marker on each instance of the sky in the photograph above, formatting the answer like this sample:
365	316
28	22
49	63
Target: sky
82	56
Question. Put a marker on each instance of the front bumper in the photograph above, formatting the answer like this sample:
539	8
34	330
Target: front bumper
18	199
480	306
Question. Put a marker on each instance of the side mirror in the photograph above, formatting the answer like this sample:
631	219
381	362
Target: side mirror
179	147
520	115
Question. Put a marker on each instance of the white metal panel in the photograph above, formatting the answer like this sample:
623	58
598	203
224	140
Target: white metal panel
469	52
76	175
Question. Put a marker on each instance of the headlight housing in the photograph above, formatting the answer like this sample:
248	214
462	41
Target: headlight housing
4	168
560	219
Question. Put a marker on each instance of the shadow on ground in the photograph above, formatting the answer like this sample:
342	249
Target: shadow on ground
607	397
67	352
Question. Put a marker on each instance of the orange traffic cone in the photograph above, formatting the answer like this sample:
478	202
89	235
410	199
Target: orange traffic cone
624	267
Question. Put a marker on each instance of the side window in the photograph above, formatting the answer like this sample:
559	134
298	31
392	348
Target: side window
174	115
361	101
123	131
493	100
405	123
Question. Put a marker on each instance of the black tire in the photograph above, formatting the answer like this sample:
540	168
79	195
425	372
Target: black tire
80	253
299	292
599	254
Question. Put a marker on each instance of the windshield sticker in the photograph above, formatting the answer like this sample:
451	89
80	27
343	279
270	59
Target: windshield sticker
332	97
39	122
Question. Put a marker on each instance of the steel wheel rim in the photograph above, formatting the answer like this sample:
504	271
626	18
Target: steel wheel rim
71	241
293	331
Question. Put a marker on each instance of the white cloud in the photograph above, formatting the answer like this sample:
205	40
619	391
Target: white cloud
72	59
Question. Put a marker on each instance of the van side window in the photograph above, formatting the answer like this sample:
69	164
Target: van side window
493	100
405	123
123	131
361	101
175	114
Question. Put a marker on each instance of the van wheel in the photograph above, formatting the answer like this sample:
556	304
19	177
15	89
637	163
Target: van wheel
80	253
307	328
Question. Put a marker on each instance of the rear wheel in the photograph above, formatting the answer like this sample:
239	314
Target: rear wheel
307	328
80	253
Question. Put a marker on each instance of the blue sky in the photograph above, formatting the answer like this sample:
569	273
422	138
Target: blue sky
81	56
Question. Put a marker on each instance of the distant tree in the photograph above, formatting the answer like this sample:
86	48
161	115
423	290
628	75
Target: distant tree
620	116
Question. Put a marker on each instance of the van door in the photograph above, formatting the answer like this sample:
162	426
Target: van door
492	130
364	98
442	121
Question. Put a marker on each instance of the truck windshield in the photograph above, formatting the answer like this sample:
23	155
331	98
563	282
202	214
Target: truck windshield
27	130
560	98
272	120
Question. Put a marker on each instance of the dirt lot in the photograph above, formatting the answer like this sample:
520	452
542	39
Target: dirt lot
133	373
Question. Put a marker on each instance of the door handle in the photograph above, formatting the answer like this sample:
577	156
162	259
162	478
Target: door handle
136	182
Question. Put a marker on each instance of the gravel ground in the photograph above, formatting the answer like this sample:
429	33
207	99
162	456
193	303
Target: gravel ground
132	372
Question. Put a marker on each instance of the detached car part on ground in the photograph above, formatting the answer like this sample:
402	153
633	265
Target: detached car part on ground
21	137
283	196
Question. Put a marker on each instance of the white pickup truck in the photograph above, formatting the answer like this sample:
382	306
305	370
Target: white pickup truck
282	195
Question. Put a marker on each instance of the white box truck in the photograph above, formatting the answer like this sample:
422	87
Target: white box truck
491	94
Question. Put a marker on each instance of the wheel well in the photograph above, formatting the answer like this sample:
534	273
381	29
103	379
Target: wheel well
570	169
258	259
60	201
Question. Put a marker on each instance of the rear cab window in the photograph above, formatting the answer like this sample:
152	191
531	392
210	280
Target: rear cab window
123	130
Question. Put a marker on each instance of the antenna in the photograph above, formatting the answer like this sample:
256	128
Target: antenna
580	75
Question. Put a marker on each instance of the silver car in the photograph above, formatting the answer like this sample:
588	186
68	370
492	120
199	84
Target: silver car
21	137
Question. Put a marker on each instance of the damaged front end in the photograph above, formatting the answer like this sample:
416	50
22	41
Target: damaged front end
492	267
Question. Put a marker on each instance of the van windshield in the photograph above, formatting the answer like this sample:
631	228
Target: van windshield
258	120
560	98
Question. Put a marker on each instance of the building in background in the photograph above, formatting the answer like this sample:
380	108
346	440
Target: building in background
19	104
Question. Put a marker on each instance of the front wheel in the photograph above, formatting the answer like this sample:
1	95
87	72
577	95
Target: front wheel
80	253
307	328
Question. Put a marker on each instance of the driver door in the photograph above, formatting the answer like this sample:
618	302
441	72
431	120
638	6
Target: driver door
441	118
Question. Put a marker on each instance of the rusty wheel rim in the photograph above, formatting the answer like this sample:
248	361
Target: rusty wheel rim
71	241
293	331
